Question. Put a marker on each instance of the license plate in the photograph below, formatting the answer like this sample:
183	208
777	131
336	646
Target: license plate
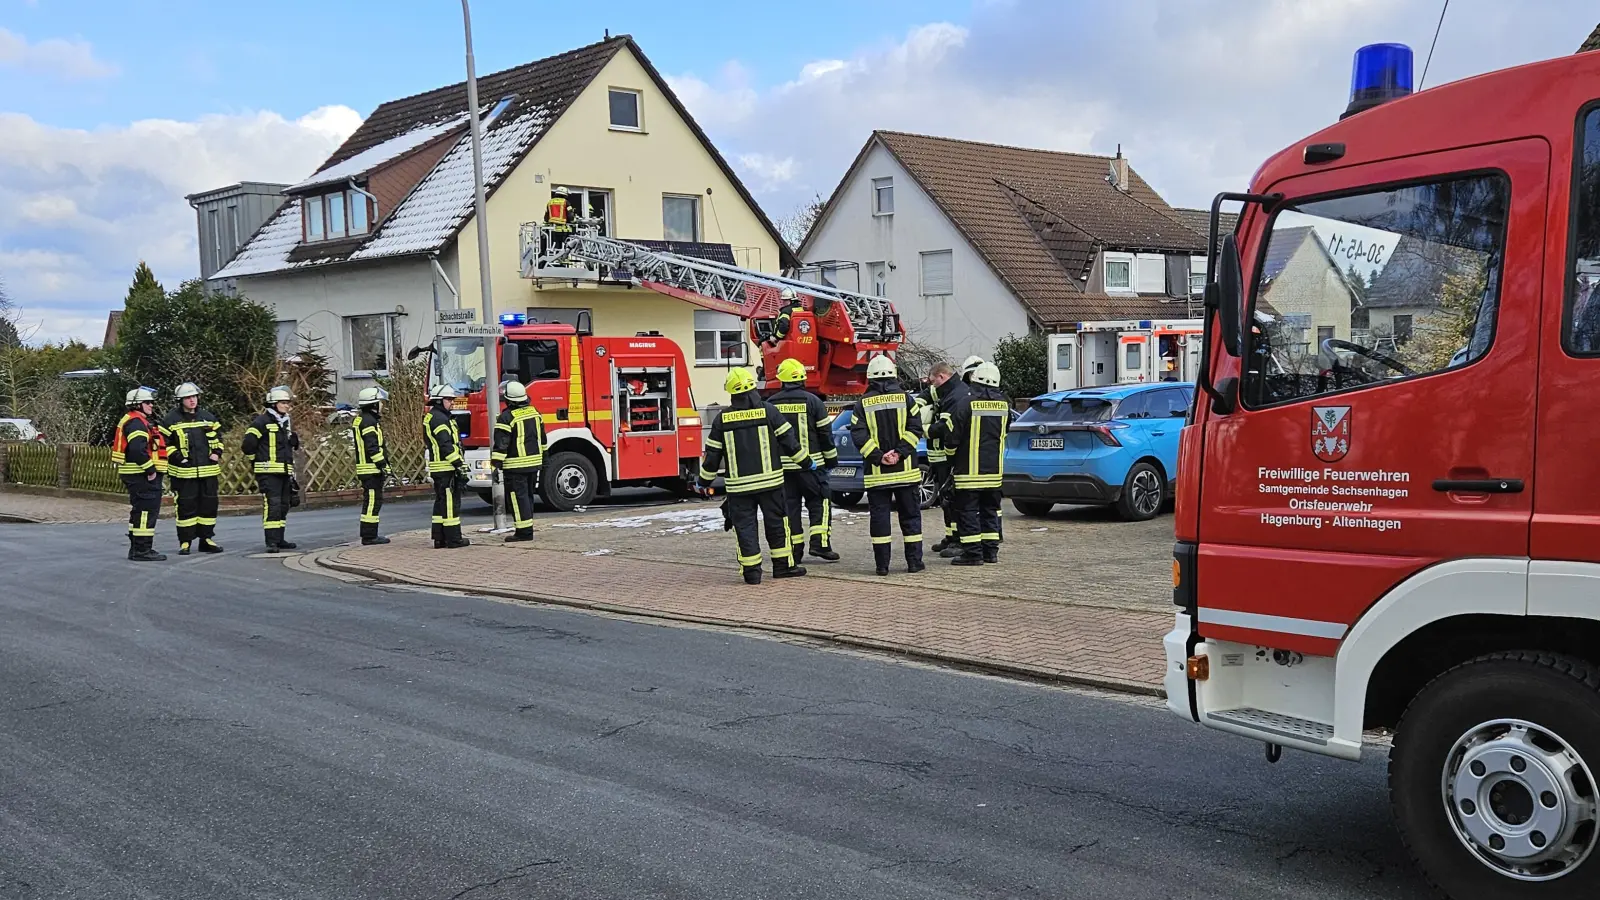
1047	444
847	471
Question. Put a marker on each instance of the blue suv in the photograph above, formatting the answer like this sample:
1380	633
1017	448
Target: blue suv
1115	445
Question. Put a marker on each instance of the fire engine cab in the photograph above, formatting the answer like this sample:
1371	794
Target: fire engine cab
617	410
1388	511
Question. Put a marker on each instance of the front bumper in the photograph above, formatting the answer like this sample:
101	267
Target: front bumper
479	472
1059	488
1175	681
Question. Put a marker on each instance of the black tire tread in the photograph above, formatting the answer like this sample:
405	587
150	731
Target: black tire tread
1124	503
1578	670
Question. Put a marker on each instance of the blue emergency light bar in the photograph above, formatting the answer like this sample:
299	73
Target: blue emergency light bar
513	319
1382	72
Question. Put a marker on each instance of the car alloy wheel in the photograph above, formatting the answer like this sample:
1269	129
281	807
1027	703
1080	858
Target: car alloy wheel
1147	491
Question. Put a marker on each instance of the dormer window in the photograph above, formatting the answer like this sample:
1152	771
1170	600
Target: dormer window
336	215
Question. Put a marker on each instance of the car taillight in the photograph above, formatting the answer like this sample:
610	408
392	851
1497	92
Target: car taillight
1104	433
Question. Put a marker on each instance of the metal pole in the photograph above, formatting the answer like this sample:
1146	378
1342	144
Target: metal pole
491	365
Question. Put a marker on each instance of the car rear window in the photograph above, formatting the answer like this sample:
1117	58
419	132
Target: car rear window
1071	410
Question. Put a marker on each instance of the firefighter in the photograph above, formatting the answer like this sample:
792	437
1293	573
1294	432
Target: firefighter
788	305
557	220
447	468
372	462
968	365
974	430
809	489
194	465
271	442
944	391
750	440
886	428
518	454
140	455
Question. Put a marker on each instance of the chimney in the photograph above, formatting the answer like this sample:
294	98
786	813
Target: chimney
1119	178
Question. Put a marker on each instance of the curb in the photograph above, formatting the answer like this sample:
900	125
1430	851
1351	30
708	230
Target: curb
327	559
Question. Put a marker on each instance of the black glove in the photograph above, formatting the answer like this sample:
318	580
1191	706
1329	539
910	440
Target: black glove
294	440
294	491
727	517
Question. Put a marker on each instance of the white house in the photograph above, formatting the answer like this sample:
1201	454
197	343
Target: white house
977	241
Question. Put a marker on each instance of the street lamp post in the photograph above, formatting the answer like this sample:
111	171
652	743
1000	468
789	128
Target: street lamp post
491	381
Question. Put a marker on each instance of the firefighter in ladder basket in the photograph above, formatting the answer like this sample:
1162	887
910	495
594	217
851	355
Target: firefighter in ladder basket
886	428
141	457
518	454
809	417
558	221
750	440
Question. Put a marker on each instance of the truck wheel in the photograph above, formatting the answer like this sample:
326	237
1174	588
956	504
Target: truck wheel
847	498
1142	493
1492	778
568	481
1036	508
487	496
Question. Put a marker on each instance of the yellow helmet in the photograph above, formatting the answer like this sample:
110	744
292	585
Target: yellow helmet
881	367
791	369
740	380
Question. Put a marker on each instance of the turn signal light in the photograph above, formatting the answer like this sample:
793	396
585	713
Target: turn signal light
1177	575
1199	668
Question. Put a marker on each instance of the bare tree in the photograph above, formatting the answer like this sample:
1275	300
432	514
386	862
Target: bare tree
797	224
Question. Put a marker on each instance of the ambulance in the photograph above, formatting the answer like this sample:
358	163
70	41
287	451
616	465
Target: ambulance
1125	352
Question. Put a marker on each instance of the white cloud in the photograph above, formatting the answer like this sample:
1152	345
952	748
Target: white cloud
72	59
80	208
1197	93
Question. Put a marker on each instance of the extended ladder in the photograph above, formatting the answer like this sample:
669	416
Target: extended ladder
712	285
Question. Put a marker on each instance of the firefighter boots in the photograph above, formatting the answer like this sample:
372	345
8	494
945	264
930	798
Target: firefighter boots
752	574
967	559
438	536
453	538
991	554
183	549
914	557
142	549
521	535
783	568
822	551
369	541
209	546
881	554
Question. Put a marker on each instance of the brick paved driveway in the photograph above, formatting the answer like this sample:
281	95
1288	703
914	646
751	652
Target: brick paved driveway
33	508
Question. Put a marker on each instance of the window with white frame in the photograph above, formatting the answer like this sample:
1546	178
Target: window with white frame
588	203
1119	272
374	343
680	217
718	339
1150	273
625	110
1197	275
883	196
288	340
938	278
335	215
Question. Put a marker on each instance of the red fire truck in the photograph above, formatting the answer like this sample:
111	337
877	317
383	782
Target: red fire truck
1389	506
618	411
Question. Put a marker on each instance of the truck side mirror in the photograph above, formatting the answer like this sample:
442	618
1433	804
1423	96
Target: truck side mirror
510	359
1224	294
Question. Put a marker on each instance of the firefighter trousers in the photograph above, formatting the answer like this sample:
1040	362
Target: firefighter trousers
446	507
883	503
807	492
371	504
947	500
144	507
274	506
197	508
742	509
519	495
980	522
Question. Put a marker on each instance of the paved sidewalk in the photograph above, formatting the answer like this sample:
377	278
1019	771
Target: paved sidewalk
946	613
15	507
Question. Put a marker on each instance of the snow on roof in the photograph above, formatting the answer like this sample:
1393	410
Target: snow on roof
427	218
372	157
444	199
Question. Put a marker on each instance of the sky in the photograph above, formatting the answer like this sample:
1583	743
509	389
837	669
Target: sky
111	112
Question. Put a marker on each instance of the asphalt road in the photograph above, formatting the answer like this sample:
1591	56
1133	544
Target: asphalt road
222	727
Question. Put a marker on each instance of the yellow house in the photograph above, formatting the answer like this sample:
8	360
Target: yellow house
384	233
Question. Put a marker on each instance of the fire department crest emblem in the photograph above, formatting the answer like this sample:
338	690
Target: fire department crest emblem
805	326
1330	432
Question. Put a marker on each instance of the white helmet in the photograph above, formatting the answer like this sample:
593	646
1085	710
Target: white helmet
561	192
371	396
442	392
187	389
515	392
881	367
970	363
279	394
987	374
786	294
141	395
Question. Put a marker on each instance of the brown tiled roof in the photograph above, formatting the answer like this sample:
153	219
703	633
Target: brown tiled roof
1593	43
1037	216
1199	221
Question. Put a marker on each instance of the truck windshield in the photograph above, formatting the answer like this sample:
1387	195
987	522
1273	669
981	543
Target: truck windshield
1070	411
1376	286
459	363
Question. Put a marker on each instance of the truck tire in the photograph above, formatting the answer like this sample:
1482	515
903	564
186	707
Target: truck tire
1492	778
1143	491
1035	508
847	498
568	481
